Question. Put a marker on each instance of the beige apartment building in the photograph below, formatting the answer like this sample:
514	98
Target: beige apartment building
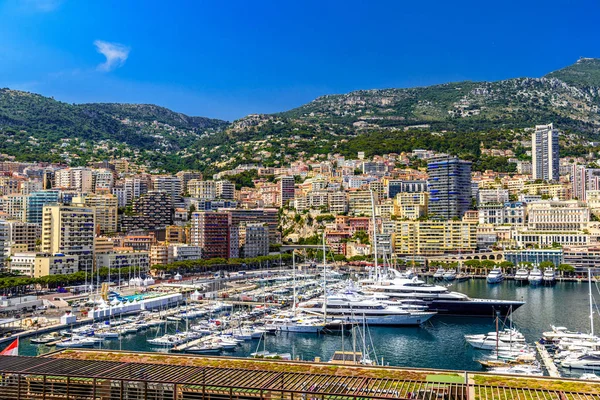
69	230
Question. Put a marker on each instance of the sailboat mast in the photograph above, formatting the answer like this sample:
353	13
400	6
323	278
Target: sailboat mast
294	278
591	302
374	234
324	280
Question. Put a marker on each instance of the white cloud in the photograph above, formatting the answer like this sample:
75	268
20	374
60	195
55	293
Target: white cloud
116	54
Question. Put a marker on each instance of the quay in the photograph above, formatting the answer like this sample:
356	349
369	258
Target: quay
74	374
547	360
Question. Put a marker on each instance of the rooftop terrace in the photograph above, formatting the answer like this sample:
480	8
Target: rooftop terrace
82	374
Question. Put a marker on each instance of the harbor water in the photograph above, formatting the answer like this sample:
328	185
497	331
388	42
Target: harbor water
437	344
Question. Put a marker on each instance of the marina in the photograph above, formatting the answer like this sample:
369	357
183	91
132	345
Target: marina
439	342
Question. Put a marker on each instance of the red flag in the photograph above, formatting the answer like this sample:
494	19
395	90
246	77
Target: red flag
12	349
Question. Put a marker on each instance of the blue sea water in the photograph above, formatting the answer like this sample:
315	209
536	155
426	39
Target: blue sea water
438	344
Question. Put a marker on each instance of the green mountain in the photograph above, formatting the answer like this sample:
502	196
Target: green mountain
461	118
585	73
569	97
40	123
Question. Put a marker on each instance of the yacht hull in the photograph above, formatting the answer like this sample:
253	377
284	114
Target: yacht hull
415	319
474	307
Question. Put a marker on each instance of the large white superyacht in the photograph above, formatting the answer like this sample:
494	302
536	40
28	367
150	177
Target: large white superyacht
439	298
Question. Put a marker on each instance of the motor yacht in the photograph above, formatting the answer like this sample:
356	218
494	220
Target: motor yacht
439	273
522	275
353	308
549	276
507	339
449	275
439	298
535	276
590	362
495	276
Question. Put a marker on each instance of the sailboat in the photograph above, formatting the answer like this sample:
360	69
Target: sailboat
354	357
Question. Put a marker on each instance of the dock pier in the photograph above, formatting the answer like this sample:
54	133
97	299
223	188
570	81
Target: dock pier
547	360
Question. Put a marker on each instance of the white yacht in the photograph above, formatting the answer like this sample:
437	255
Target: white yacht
439	298
535	276
559	333
495	276
439	273
449	275
590	362
549	276
76	342
529	370
504	340
522	275
353	308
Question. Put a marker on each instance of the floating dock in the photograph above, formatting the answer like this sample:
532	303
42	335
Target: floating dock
547	360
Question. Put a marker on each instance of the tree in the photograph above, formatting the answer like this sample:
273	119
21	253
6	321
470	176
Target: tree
488	264
566	268
507	265
546	264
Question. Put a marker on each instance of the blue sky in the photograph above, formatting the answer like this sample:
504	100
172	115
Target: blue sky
227	59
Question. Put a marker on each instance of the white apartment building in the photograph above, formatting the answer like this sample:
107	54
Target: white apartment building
80	179
544	151
506	213
186	252
140	260
167	183
14	206
527	238
134	188
225	190
571	215
493	196
104	180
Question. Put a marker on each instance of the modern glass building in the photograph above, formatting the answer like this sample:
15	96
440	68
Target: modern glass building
35	202
449	187
535	256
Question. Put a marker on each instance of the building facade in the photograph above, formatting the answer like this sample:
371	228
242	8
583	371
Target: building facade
449	187
544	152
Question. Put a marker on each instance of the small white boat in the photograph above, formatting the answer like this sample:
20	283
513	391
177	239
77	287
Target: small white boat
495	276
205	348
45	339
76	342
